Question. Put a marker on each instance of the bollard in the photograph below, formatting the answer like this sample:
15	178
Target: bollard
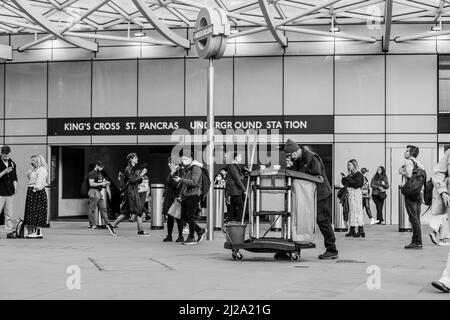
403	220
157	191
99	222
219	201
338	216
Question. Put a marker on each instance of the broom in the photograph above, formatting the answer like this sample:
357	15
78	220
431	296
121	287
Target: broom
248	180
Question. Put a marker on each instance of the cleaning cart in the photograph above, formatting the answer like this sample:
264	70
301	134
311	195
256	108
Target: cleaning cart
272	195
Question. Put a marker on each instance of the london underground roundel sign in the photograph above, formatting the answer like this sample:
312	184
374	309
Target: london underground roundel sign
211	31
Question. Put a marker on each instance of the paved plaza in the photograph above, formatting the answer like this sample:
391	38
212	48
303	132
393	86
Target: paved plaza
128	267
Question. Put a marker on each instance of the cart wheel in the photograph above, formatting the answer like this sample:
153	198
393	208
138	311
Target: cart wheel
295	256
239	256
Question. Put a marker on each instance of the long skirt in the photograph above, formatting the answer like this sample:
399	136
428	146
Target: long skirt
355	205
36	208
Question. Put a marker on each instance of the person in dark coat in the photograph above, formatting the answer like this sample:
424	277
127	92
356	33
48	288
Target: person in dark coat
132	203
354	182
310	163
235	189
171	193
379	185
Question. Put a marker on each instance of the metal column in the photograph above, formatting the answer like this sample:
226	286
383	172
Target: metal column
210	101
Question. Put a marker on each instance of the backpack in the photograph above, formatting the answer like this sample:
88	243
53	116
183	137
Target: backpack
206	183
85	187
428	193
413	186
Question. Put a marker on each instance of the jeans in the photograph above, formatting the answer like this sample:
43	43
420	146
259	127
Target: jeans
6	204
324	223
366	205
413	208
96	201
189	208
379	203
236	208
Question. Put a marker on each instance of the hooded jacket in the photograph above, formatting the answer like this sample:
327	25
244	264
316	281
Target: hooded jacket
192	180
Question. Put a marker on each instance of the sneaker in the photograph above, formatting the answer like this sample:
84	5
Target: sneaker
92	227
31	236
414	246
167	239
11	236
180	239
329	255
440	286
374	221
189	241
186	230
444	243
201	235
111	230
433	237
143	234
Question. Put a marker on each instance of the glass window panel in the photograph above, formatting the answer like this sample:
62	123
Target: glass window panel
444	96
114	88
26	90
69	91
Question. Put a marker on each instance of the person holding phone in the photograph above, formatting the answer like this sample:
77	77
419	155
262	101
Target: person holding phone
379	185
96	201
35	217
8	188
132	203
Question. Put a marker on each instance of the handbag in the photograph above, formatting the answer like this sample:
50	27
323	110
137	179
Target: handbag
175	209
382	195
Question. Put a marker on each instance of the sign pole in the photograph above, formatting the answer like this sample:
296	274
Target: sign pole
210	102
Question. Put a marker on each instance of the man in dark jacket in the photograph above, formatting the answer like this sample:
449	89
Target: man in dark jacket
191	190
235	189
310	163
8	188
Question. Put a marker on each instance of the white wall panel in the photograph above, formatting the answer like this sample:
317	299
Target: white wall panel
114	88
411	124
26	90
359	124
257	84
26	127
359	84
161	87
411	85
308	85
310	48
69	89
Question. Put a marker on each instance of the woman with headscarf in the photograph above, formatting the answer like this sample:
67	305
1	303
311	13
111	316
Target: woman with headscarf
132	203
36	202
354	181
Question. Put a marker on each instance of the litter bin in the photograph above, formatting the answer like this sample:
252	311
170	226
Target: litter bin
47	191
338	216
219	205
157	191
99	222
403	220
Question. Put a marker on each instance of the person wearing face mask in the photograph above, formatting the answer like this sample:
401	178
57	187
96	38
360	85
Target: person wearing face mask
35	216
305	161
97	182
354	181
132	203
191	190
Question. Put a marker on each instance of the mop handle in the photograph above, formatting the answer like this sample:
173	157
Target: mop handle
248	180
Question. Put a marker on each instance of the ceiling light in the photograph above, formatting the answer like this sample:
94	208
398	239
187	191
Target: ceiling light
436	28
234	31
334	29
139	34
